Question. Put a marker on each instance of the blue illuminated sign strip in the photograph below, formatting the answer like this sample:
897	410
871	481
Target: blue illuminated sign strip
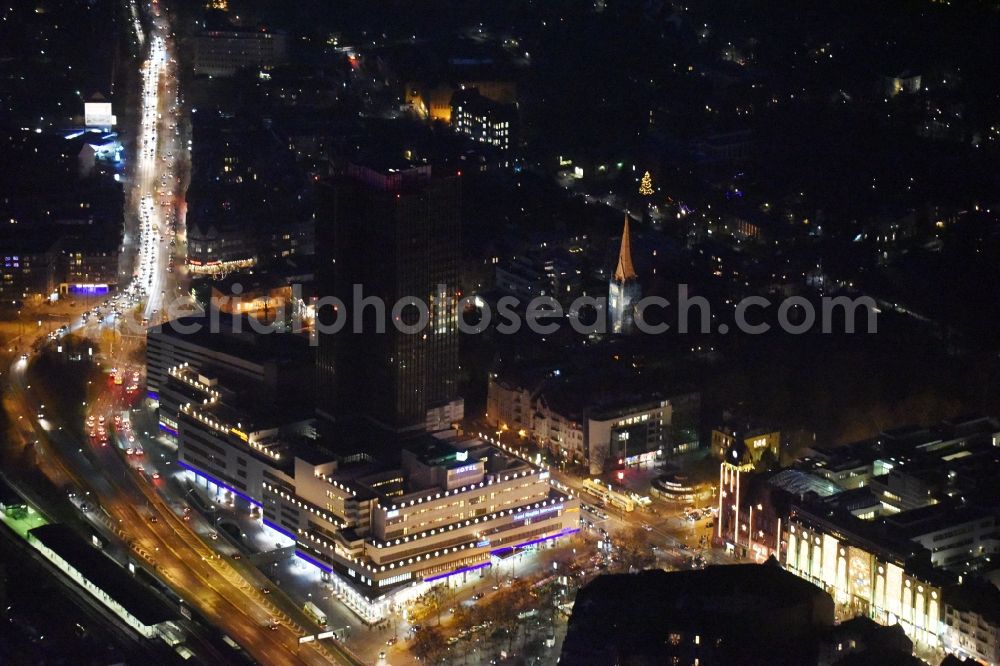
166	428
153	394
316	563
534	513
88	289
561	533
456	571
220	483
280	530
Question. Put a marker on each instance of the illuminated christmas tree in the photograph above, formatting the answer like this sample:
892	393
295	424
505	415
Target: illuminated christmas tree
646	186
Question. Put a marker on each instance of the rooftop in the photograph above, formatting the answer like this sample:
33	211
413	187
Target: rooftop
799	483
977	596
9	496
103	572
627	618
924	520
233	336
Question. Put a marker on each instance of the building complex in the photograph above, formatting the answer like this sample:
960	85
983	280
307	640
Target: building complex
602	432
896	529
378	525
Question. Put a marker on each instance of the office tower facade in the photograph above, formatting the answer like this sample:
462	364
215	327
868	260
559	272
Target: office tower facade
391	236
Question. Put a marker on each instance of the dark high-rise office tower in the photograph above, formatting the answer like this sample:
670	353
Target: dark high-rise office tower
393	234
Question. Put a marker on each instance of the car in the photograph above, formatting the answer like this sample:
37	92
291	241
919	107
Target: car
153	519
265	590
391	641
156	476
237	556
214	536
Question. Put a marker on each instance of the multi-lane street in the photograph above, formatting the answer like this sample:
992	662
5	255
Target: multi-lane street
108	481
126	505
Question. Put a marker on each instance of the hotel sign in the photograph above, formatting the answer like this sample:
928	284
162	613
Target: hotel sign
534	513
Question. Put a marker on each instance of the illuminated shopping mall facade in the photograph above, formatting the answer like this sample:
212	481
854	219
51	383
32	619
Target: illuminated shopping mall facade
378	530
865	577
450	508
866	569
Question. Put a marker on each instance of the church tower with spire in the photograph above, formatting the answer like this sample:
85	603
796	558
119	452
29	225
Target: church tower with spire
624	290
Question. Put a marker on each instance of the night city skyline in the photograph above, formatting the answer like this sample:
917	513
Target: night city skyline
528	332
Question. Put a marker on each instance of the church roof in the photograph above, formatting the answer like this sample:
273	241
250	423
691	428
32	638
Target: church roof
625	270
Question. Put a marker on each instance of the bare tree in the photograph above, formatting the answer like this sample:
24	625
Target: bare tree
633	549
429	643
436	598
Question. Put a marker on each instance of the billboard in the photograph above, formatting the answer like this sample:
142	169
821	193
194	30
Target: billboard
860	573
97	114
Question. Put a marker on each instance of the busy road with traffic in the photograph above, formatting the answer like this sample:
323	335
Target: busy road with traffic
108	468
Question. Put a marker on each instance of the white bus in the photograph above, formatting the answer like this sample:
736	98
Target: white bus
608	496
623	502
314	613
596	488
